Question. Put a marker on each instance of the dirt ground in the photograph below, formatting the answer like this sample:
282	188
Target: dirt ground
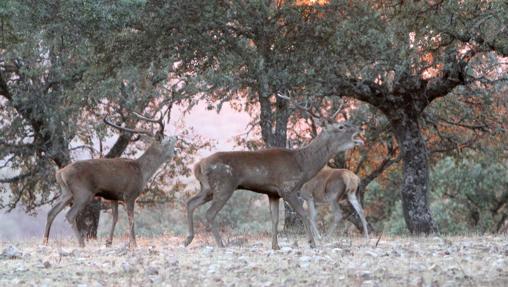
424	261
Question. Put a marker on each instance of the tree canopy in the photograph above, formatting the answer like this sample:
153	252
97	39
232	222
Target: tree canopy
427	79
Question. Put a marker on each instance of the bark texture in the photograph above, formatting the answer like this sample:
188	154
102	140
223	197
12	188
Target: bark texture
414	154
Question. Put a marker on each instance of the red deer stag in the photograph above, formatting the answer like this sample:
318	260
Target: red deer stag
329	186
116	179
276	172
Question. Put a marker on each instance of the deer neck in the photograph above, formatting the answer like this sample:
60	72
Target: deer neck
150	161
314	156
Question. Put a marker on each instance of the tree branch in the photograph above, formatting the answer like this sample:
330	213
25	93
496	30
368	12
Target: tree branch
16	178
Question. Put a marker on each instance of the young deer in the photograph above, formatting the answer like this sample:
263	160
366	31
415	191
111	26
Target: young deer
328	187
115	179
276	172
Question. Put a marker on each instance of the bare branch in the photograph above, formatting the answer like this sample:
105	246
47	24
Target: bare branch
16	178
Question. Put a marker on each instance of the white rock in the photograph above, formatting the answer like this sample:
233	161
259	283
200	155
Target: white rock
286	249
151	270
171	261
305	258
207	250
127	267
11	252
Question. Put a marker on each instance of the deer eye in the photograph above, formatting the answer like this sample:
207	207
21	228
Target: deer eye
341	127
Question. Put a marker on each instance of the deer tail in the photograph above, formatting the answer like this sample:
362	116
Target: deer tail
201	176
60	179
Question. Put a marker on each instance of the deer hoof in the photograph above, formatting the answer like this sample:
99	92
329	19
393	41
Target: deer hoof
188	241
312	244
276	247
109	243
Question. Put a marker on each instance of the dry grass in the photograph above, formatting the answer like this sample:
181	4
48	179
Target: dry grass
432	261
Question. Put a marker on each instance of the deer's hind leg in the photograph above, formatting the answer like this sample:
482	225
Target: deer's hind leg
223	189
313	217
81	197
64	200
351	196
201	198
337	217
291	198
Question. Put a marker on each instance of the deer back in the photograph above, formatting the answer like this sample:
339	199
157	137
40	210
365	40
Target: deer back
255	170
114	178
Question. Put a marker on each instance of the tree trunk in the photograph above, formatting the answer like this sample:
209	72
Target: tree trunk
414	190
88	219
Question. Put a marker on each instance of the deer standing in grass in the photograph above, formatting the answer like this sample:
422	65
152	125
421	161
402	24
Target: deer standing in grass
330	186
276	172
115	179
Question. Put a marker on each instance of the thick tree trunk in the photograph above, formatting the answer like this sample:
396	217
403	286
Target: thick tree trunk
88	219
414	190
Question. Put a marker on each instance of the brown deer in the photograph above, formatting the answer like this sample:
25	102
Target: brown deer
328	187
276	172
115	179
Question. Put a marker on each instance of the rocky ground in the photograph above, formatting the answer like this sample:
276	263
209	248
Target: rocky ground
431	261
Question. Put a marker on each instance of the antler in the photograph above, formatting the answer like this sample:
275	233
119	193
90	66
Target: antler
339	109
299	106
135	131
159	121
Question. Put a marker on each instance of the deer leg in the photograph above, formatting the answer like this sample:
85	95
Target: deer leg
218	202
81	198
114	212
337	216
193	203
356	205
291	198
274	213
62	203
130	215
313	217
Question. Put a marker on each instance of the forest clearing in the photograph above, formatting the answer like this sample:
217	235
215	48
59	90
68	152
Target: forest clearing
396	261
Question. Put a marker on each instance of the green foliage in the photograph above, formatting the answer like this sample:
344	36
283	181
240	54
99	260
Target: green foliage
395	224
468	193
468	196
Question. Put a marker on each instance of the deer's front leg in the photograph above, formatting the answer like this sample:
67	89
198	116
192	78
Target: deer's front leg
292	199
274	213
114	212
130	215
